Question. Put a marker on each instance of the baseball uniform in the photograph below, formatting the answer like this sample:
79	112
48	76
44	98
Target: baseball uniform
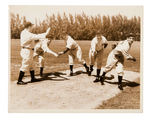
40	48
27	40
96	51
116	58
74	51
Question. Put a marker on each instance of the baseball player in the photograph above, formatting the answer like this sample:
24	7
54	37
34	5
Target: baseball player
74	51
116	57
27	40
96	53
40	49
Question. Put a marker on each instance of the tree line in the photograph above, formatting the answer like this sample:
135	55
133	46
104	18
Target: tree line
80	26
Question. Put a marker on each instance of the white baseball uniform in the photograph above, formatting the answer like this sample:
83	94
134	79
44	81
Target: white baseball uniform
116	57
40	48
74	52
96	51
27	44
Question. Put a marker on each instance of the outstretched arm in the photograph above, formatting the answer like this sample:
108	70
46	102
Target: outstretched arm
39	36
63	52
128	56
46	48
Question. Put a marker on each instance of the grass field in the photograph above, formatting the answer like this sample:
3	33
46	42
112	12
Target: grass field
53	64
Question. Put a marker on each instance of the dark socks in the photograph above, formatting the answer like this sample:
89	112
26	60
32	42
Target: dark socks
119	80
32	75
71	68
91	67
85	65
41	71
98	72
21	75
103	74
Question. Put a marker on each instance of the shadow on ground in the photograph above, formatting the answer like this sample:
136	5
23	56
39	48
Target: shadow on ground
55	76
125	83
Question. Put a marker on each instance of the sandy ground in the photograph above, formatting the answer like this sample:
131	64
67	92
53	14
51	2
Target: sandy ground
59	91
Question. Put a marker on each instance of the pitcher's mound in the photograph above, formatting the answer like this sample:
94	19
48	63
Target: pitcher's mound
59	91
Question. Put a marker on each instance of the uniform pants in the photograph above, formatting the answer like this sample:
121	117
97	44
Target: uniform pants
75	53
27	59
40	57
115	58
96	56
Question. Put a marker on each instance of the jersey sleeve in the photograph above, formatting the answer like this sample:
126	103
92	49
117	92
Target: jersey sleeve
46	48
36	36
93	44
104	40
69	43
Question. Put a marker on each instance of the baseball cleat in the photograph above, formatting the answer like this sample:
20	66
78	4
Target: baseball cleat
21	83
71	73
90	72
96	80
120	87
102	78
87	69
34	80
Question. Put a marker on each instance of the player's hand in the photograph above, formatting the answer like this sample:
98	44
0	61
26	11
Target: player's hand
60	53
56	55
134	59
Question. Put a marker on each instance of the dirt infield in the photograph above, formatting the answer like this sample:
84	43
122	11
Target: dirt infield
58	91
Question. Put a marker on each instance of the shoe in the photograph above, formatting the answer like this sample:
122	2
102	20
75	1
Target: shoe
102	78
120	87
90	72
71	73
87	69
34	80
41	75
96	80
21	83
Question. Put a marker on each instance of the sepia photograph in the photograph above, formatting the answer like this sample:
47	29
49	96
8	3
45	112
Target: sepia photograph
75	59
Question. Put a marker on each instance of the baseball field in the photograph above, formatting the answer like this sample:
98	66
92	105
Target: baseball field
127	99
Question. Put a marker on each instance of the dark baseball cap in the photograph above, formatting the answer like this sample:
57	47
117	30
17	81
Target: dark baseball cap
130	35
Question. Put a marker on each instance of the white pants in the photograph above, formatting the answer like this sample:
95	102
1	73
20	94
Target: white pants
75	53
40	58
115	58
96	56
27	59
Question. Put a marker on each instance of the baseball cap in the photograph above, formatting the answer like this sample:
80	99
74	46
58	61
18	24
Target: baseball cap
130	35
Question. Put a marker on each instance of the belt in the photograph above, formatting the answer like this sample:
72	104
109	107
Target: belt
28	48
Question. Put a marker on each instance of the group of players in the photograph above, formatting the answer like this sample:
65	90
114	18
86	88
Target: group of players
35	45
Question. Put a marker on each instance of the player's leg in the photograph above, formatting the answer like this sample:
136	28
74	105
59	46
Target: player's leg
119	70
111	61
92	57
41	64
25	65
71	58
31	68
80	59
99	59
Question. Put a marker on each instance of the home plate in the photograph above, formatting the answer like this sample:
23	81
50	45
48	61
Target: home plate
59	91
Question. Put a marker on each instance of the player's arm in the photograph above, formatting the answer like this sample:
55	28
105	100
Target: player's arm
128	56
39	36
46	49
105	42
63	52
